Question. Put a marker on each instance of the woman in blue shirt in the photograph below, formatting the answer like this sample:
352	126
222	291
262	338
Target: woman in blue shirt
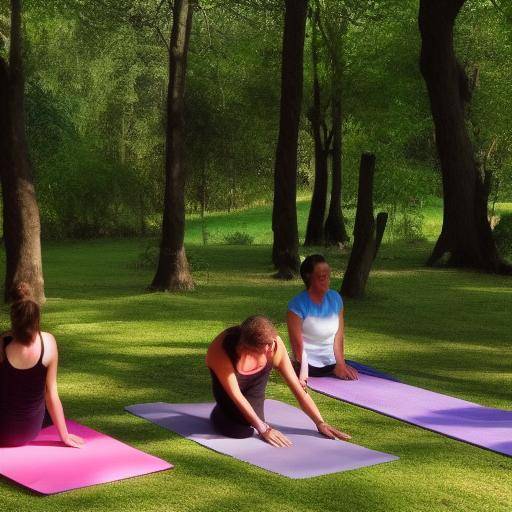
315	325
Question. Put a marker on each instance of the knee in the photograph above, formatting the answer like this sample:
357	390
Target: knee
229	427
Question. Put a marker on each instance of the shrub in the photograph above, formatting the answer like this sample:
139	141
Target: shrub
503	234
406	223
238	238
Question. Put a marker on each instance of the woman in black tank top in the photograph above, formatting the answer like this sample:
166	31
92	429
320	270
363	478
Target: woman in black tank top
22	404
28	369
240	360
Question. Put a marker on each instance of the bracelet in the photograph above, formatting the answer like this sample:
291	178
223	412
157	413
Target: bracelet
267	430
320	423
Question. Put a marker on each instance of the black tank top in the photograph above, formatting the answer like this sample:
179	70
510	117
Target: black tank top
252	386
22	399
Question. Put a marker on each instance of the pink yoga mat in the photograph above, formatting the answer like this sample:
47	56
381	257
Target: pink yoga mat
465	421
48	467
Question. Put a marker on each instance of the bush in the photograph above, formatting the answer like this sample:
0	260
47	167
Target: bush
406	223
238	238
503	234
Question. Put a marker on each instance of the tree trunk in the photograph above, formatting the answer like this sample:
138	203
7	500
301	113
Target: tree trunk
315	226
335	231
466	234
285	251
366	239
21	224
173	271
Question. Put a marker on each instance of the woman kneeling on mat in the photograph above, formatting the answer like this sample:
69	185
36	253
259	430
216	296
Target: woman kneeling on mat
315	325
240	360
28	377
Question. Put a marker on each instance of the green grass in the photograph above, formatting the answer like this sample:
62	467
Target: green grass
445	330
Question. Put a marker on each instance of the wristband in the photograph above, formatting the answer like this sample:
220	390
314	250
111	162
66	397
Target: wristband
266	430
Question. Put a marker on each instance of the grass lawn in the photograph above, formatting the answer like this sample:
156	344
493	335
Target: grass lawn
445	330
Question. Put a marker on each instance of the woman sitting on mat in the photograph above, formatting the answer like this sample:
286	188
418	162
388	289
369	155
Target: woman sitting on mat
240	360
315	325
28	377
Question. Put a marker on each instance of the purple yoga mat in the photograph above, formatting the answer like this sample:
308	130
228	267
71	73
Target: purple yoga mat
311	454
482	426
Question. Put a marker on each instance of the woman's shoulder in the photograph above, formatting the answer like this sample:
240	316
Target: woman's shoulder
217	349
334	296
50	347
48	337
299	304
333	293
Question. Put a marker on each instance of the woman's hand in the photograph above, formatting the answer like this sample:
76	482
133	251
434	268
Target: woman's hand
331	432
304	383
345	372
73	441
275	438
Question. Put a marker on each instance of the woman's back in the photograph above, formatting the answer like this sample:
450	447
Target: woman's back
22	392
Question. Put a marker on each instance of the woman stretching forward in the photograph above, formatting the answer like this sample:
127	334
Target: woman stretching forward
240	360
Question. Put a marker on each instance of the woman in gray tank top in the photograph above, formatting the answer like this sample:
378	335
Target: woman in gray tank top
240	360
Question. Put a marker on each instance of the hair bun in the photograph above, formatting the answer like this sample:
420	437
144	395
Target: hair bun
21	291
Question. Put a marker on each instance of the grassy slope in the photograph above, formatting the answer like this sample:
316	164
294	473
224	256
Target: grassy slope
444	330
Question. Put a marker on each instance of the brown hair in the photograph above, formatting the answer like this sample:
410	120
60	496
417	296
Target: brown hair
25	314
256	331
307	267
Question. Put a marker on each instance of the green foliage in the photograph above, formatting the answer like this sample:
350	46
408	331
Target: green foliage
96	93
484	43
503	234
406	224
238	238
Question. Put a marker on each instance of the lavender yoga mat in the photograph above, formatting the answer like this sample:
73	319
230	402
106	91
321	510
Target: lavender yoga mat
368	370
465	421
48	467
311	454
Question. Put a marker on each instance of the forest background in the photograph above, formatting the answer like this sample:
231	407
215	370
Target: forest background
96	90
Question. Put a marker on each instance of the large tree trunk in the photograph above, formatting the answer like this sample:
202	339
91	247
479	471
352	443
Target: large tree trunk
285	251
367	233
315	226
173	272
466	234
335	231
21	224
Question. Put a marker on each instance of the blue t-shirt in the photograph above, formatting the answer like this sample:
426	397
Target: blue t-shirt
320	323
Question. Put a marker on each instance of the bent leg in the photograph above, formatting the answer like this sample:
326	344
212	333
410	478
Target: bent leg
324	371
229	427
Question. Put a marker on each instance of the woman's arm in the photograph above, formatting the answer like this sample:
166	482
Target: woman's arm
294	323
219	362
52	398
284	366
342	370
